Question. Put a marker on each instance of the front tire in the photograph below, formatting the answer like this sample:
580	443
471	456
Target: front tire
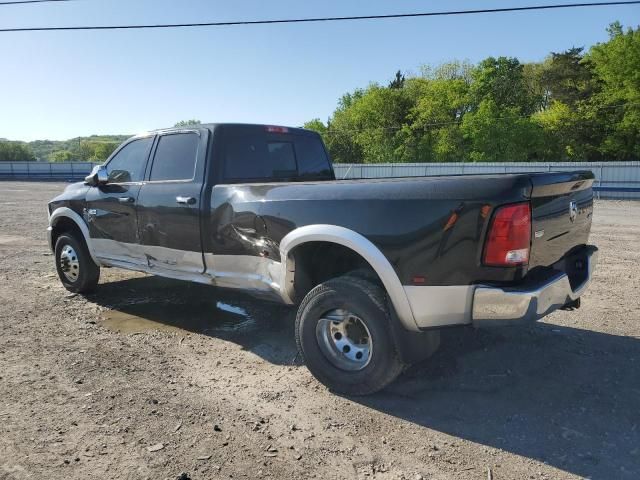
76	269
343	333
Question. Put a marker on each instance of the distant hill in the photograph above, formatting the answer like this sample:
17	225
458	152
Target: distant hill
79	148
95	148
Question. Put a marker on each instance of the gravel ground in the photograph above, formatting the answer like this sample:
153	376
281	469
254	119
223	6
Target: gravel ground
153	378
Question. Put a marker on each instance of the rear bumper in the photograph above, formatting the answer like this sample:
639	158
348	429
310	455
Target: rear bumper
493	306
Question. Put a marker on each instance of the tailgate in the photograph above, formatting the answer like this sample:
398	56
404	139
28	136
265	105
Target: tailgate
562	209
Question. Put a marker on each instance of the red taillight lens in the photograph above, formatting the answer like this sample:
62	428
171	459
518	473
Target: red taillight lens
274	129
509	237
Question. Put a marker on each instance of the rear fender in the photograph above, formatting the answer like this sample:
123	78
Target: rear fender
357	243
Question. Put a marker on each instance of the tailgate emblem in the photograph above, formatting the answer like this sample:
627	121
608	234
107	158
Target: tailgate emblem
573	210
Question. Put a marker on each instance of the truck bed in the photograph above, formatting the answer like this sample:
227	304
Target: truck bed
430	227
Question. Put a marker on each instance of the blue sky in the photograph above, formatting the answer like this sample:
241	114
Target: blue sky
58	85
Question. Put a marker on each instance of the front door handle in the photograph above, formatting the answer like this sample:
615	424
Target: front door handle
186	200
126	199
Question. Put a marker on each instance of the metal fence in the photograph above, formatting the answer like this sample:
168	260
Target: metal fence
68	171
613	179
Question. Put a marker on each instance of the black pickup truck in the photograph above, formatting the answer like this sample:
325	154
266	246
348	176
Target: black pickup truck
376	267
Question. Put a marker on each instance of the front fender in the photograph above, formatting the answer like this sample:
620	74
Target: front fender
65	212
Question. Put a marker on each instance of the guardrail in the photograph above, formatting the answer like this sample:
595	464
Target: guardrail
63	171
613	179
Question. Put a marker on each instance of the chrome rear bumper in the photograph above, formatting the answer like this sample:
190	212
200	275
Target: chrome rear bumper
494	306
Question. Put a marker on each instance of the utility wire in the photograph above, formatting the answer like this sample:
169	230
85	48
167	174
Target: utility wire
21	2
320	19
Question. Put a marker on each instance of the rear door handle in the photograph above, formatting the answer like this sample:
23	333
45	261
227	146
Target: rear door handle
126	199
186	200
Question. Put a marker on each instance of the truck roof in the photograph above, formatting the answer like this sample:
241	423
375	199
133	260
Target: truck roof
213	126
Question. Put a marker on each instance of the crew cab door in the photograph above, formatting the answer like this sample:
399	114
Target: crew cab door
169	208
111	208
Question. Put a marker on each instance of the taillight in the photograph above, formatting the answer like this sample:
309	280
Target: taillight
509	237
274	129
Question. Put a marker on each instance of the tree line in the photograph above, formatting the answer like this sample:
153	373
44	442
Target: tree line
96	148
576	105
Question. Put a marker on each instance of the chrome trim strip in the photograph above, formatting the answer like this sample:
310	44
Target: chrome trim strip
357	243
161	272
78	220
172	259
108	250
498	306
244	271
153	256
255	275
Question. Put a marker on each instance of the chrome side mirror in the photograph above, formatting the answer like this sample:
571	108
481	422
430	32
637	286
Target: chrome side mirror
98	176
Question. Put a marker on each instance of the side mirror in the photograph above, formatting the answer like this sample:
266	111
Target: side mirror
98	176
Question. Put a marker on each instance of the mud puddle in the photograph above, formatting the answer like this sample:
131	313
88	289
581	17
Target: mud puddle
203	317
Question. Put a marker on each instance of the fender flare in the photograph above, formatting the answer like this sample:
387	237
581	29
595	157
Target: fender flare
359	244
66	212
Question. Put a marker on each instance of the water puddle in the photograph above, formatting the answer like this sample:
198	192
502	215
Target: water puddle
201	316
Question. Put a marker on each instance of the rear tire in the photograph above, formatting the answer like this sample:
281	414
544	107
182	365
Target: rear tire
343	333
76	269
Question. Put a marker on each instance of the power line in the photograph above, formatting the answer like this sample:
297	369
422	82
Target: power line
21	2
319	19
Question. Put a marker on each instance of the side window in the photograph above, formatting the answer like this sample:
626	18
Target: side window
128	164
281	159
243	158
250	157
312	159
175	157
252	154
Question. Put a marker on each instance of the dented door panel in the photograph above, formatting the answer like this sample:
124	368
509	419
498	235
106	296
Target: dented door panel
110	213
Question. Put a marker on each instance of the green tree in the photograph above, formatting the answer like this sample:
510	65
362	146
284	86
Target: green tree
538	90
317	126
454	70
571	106
365	129
432	132
102	151
567	77
398	80
15	152
188	123
616	65
502	80
501	134
61	156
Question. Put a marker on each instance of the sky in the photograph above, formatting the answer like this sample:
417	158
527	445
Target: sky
59	85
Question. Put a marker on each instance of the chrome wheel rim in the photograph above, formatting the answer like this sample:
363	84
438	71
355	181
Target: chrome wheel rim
69	263
344	339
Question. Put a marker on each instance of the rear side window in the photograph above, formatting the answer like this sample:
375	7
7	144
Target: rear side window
312	158
281	158
175	157
250	155
128	164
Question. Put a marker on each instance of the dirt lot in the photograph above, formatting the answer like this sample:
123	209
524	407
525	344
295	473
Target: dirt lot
152	378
